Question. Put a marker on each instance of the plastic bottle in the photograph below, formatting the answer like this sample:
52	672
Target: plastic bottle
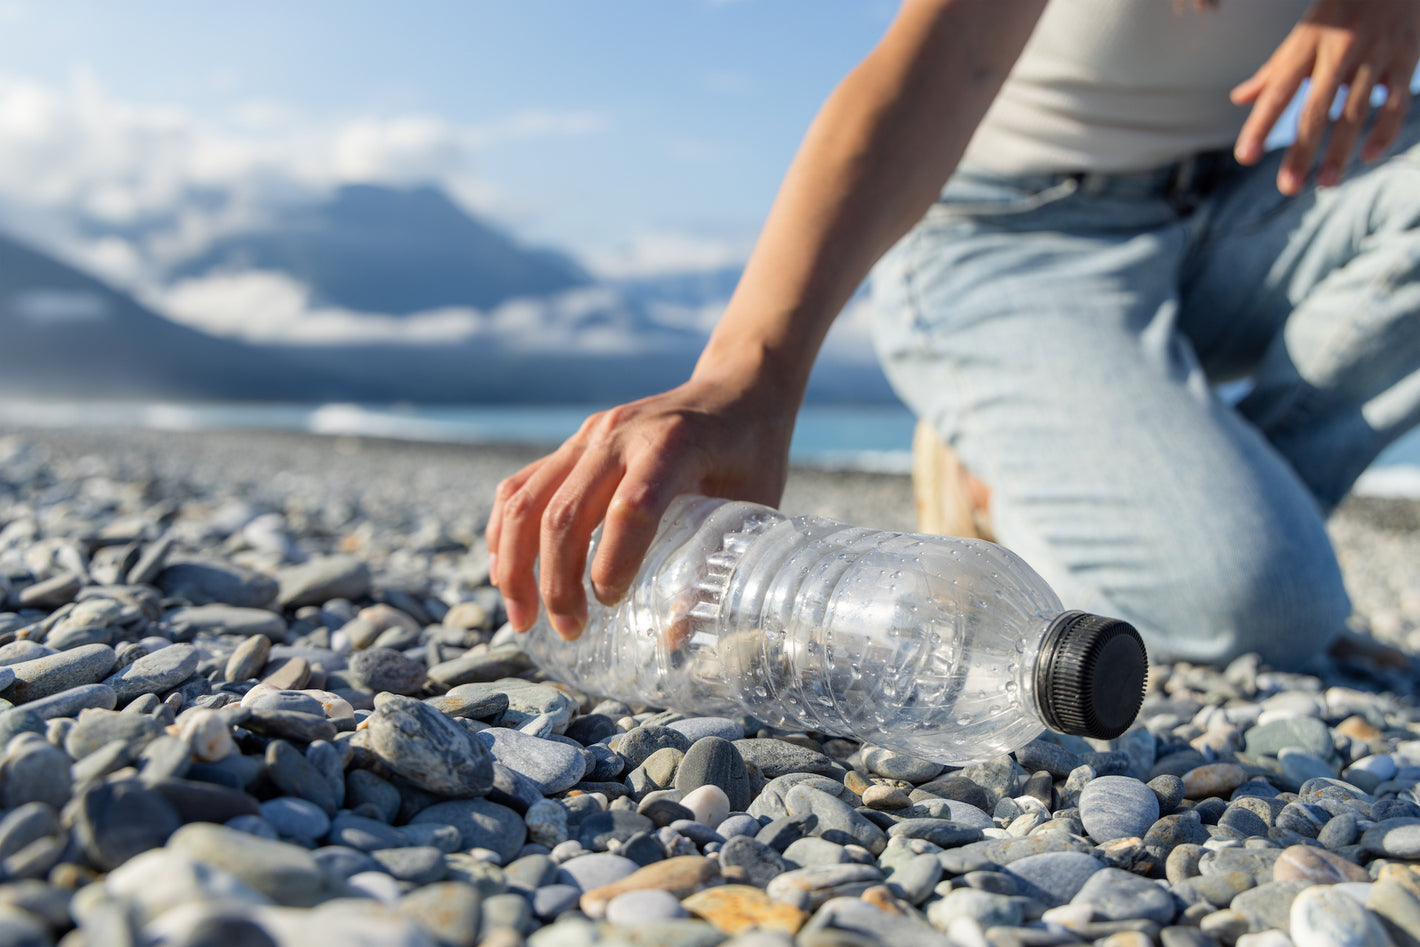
944	648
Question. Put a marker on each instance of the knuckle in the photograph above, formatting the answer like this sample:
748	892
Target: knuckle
560	517
520	504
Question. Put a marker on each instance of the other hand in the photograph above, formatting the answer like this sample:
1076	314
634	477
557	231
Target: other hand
1361	44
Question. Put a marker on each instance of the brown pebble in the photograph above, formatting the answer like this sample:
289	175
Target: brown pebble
291	674
885	797
881	897
1359	728
1213	779
681	876
1317	865
734	909
1126	939
1405	875
856	781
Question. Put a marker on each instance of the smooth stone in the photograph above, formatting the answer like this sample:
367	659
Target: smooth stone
868	923
643	742
416	864
54	674
553	766
982	907
1114	894
294	775
835	819
481	824
1039	754
96	728
291	725
206	581
746	860
594	870
1303	819
812	852
1317	865
21	650
1213	779
739	911
770	801
526	700
808	888
696	728
1324	917
776	758
116	820
893	765
248	658
205	802
481	665
263	699
154	673
194	620
318	580
383	669
548	901
1269	904
954	788
470	706
364	834
714	761
1307	734
296	818
1053	878
1397	905
998	777
680	876
35	772
364	788
940	832
1114	807
597	830
708	804
429	749
1393	838
633	907
288	874
447	911
156	881
891	798
51	593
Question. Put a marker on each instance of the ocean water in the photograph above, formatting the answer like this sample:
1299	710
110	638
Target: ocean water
874	437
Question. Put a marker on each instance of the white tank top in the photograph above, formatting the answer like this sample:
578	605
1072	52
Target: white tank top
1126	85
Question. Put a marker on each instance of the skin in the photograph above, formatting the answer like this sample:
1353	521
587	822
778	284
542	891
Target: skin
871	164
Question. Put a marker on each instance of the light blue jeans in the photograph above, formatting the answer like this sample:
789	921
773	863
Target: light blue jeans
1066	334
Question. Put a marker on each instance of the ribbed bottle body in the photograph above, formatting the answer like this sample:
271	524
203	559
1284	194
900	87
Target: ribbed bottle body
924	644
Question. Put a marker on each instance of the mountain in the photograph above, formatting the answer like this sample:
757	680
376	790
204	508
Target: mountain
379	249
65	334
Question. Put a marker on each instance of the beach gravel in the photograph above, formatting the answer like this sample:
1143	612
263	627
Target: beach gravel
254	689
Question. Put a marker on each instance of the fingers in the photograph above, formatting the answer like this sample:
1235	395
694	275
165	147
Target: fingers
1311	130
1346	130
567	524
632	518
518	529
1389	119
1270	91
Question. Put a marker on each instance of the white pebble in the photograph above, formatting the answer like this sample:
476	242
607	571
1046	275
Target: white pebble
260	688
1069	916
207	734
635	906
377	885
708	803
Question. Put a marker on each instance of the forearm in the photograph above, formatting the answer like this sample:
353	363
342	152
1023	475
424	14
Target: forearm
870	165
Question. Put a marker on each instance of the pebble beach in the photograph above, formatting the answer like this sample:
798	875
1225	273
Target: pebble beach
255	690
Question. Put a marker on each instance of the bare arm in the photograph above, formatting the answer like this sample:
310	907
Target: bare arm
870	165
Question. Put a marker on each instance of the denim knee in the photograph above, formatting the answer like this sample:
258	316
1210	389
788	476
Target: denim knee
1285	601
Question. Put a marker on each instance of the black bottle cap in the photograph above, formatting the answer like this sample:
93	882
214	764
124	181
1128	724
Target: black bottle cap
1090	675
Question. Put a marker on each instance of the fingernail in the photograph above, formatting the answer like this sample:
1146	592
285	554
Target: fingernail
517	616
568	627
608	595
493	568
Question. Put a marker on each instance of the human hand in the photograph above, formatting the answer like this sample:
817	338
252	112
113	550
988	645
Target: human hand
624	466
1358	43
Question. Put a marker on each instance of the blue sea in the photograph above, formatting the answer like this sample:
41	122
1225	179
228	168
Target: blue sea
873	437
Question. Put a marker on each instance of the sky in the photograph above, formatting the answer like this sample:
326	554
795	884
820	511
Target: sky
640	135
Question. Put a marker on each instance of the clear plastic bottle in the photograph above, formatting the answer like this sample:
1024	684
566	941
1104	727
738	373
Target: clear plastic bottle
945	648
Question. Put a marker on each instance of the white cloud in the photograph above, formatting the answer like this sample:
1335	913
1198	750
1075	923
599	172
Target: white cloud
660	252
78	148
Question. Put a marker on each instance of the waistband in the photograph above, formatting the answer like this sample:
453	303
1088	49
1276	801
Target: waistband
1193	177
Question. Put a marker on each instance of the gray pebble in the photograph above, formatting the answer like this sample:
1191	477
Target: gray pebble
429	749
382	669
1113	807
62	671
481	824
554	767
